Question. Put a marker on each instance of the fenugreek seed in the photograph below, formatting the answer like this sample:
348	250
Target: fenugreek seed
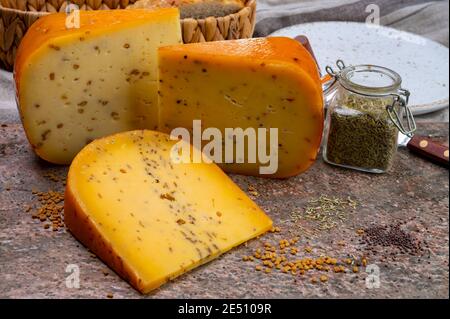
355	269
323	278
258	268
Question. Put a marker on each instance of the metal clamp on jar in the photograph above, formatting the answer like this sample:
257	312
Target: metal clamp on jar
366	108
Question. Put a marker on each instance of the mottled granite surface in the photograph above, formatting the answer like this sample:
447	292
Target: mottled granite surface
33	260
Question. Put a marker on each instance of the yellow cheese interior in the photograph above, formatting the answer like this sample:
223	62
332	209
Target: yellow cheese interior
92	82
161	219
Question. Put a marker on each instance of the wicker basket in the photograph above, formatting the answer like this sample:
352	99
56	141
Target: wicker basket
16	16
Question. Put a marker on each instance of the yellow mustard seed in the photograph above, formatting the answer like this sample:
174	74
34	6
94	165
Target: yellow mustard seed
364	262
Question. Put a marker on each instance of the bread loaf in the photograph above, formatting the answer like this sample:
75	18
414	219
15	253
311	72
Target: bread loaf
197	9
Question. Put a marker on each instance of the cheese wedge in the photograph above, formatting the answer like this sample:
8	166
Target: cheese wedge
252	83
78	84
149	219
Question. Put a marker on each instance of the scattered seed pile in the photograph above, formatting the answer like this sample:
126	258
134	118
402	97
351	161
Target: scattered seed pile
285	257
252	191
50	206
392	236
326	212
50	210
55	178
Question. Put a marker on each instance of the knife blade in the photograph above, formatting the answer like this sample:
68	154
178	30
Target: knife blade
426	148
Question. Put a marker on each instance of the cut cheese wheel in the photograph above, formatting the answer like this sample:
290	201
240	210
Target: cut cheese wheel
149	219
252	83
78	84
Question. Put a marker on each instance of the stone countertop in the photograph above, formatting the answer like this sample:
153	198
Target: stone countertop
33	260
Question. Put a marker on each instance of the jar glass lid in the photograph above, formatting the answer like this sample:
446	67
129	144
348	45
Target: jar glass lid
370	80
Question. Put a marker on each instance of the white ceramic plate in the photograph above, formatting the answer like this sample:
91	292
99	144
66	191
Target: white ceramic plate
422	63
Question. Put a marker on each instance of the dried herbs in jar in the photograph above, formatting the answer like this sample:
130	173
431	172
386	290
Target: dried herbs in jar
364	118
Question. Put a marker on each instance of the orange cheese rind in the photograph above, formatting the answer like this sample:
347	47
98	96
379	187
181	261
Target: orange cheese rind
254	72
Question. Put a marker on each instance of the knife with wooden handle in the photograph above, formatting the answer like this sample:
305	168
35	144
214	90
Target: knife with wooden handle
426	148
305	42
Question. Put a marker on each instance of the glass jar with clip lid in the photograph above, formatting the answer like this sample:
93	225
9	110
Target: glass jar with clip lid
366	111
